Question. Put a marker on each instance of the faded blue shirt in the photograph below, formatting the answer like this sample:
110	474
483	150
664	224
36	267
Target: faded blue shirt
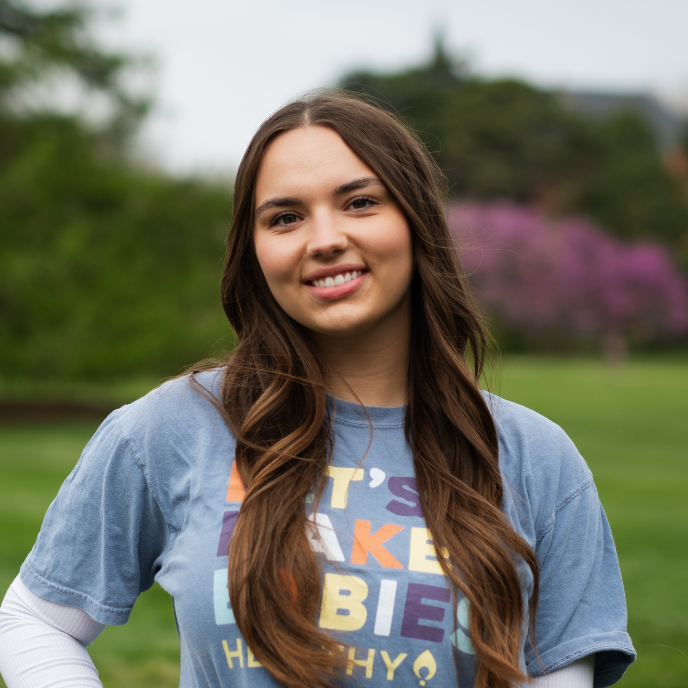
154	497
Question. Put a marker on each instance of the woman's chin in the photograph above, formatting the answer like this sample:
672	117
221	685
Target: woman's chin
346	331
341	325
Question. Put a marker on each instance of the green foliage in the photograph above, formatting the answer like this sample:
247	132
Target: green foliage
684	139
492	139
628	190
46	40
505	138
41	46
106	268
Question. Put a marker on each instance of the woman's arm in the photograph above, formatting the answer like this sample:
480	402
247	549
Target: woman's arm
43	644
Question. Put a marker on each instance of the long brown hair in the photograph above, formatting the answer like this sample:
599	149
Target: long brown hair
273	397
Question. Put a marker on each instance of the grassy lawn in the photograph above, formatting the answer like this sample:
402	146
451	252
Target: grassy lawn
630	424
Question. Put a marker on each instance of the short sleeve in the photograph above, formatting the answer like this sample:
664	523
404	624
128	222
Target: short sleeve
582	607
103	537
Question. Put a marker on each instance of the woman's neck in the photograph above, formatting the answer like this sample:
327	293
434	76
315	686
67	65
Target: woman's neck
370	368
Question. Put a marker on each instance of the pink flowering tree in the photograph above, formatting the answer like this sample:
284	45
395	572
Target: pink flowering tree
566	277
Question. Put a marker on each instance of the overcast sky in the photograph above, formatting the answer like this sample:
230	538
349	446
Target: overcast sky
222	66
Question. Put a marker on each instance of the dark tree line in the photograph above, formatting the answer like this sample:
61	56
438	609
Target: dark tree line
504	138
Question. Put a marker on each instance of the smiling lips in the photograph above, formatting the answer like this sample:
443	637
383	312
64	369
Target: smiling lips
337	286
337	280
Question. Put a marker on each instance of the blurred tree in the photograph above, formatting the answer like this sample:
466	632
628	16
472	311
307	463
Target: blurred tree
106	268
506	139
629	189
677	164
491	138
565	281
48	45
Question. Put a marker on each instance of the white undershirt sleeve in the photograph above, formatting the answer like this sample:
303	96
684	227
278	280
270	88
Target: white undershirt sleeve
580	674
43	644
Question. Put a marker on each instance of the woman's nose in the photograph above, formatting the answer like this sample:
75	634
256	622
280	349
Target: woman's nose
327	236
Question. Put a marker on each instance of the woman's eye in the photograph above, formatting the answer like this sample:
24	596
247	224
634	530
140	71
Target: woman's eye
362	203
284	219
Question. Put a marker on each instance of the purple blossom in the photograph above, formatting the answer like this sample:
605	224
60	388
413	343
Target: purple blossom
537	275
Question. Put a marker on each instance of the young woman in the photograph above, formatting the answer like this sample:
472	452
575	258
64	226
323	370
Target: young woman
390	524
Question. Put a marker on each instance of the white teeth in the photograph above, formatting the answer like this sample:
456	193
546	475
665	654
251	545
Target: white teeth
338	280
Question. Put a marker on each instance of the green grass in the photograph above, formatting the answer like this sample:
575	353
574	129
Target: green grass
630	423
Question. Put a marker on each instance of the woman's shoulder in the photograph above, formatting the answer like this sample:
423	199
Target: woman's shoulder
185	401
527	434
175	434
538	460
170	424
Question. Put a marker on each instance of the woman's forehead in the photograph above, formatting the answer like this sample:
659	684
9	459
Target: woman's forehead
307	159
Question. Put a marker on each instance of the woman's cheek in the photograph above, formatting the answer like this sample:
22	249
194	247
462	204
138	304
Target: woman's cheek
276	261
392	250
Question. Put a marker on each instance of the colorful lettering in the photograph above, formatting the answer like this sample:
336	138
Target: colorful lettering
377	477
460	639
415	610
425	660
342	477
235	489
288	581
385	607
407	489
237	654
223	610
342	604
229	519
252	662
322	537
422	554
392	665
364	542
367	663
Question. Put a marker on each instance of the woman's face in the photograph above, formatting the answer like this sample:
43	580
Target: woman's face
333	245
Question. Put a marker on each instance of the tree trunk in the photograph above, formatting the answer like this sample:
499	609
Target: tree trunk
615	348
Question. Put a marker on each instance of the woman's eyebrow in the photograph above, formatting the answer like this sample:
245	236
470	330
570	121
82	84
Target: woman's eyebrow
355	185
277	203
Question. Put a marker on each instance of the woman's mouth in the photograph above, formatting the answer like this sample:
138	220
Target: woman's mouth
337	286
336	280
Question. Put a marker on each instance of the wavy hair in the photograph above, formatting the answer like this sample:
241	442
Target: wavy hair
274	401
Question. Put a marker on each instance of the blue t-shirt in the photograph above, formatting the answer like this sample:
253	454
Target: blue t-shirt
155	497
